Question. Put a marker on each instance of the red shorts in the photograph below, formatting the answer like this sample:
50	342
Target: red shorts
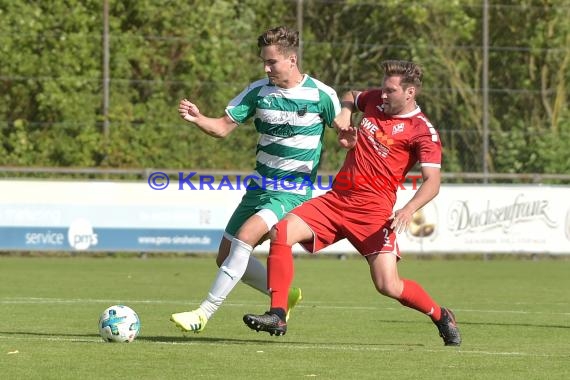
363	223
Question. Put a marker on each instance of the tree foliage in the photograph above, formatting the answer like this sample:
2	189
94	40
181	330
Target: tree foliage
51	77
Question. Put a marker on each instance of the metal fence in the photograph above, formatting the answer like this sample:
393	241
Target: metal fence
54	173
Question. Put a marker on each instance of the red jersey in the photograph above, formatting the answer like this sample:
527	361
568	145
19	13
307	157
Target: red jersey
387	148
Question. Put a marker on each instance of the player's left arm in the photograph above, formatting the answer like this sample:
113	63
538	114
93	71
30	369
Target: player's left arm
431	180
347	133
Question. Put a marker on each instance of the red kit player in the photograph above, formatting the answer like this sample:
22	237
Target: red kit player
392	137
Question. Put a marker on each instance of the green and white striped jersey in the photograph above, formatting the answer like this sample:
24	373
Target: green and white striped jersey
291	127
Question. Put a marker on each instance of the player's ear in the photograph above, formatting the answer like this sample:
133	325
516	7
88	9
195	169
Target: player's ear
411	91
293	59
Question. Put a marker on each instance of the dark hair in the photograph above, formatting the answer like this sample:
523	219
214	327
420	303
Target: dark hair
411	74
286	40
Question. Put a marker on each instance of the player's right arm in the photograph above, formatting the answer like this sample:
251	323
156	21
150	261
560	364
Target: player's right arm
216	127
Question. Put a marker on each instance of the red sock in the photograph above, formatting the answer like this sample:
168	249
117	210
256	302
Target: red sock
280	268
415	297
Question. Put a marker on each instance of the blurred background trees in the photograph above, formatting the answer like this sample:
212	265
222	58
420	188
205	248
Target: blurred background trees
51	77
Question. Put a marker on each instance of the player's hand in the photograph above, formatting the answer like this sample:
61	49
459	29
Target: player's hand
347	138
343	122
188	111
400	220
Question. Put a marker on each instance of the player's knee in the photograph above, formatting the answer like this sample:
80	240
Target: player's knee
388	289
248	236
278	233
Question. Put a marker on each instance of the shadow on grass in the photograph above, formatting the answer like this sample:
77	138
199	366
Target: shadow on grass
195	338
467	323
459	323
278	341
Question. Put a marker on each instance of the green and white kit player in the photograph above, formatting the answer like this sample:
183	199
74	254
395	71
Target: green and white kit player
290	111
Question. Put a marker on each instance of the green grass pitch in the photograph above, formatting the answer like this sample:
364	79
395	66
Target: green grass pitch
514	316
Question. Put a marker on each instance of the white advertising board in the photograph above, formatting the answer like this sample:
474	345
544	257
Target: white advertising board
128	216
494	219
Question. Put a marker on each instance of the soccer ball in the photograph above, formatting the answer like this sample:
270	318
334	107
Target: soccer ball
120	324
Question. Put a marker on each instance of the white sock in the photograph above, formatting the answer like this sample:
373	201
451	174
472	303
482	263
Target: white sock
228	276
256	275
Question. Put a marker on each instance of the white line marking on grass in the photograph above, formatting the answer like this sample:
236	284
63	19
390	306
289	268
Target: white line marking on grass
42	300
36	300
52	339
510	311
293	346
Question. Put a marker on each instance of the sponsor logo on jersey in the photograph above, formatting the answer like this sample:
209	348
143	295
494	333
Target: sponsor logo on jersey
398	128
